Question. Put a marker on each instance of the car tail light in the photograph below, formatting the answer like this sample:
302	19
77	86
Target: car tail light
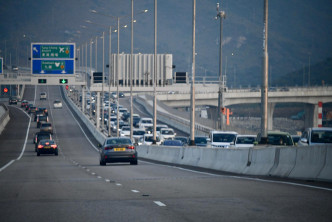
54	146
108	148
40	146
47	143
131	147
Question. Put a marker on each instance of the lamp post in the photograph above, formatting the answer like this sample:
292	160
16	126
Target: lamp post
117	66
264	88
221	15
192	101
154	141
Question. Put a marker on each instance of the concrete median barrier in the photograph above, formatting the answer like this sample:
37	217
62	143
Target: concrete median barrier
309	162
326	173
260	161
232	160
284	163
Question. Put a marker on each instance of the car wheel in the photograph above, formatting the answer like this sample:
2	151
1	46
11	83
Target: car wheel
102	163
38	153
134	162
56	152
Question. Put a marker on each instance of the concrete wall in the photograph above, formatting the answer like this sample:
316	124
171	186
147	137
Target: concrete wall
4	116
307	163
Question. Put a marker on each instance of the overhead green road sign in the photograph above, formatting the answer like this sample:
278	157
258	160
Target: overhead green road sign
53	58
52	51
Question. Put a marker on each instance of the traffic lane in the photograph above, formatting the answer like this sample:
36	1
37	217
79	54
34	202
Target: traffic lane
180	188
49	186
199	196
13	137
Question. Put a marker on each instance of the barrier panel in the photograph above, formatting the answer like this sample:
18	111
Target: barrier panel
309	162
326	173
4	117
232	160
284	161
260	162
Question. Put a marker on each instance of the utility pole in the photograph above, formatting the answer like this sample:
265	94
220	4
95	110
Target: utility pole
221	15
264	89
192	101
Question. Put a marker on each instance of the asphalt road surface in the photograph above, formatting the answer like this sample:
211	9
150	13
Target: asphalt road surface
73	187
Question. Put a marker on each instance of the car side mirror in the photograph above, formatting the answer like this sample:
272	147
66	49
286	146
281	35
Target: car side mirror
304	140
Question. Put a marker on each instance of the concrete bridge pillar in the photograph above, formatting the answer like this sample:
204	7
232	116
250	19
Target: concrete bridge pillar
311	115
270	108
98	111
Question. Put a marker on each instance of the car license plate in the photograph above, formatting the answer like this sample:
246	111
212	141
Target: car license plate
119	149
47	147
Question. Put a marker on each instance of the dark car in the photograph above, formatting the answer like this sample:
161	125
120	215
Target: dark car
118	149
46	127
44	110
13	100
32	109
183	139
41	119
27	107
201	141
121	95
47	146
24	103
38	113
173	143
41	136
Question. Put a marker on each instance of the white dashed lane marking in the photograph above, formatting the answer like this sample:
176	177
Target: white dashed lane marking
160	204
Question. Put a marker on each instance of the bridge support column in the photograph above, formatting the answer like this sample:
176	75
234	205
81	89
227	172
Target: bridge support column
270	108
311	115
98	111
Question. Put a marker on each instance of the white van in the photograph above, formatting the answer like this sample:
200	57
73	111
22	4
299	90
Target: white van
222	139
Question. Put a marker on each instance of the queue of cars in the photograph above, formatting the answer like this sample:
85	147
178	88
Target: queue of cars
43	139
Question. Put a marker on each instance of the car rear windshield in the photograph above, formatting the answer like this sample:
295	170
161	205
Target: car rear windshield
227	138
119	141
140	133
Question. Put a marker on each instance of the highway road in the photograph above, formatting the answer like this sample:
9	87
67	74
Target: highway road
73	187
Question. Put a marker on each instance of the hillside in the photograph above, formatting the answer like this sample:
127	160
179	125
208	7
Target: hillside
298	29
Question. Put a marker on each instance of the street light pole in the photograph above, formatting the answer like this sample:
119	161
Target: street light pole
192	101
109	82
102	86
221	15
131	69
117	79
264	89
154	141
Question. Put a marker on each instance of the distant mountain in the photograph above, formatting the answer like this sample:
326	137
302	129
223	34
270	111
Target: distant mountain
298	29
319	74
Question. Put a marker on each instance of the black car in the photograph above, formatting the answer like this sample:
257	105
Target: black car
118	149
47	146
41	136
201	141
41	119
13	100
44	110
38	113
183	139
